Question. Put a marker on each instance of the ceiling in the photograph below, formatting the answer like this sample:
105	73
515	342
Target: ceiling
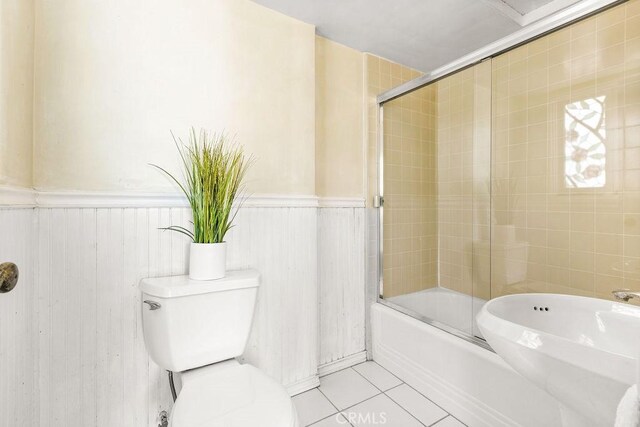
422	34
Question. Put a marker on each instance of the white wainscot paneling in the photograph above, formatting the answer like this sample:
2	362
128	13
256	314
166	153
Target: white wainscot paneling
341	269
18	331
93	367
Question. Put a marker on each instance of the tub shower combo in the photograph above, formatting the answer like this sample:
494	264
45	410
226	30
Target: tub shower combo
517	173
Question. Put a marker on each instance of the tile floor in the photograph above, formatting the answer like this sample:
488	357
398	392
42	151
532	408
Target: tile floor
368	395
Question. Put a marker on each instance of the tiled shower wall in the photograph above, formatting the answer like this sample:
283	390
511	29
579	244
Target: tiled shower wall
410	238
410	255
547	236
463	177
583	241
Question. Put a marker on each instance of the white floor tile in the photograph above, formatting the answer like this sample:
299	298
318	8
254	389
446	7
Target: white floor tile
333	421
449	422
312	406
346	388
377	375
417	405
380	410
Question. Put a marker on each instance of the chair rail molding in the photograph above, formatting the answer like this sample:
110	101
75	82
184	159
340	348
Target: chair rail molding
15	197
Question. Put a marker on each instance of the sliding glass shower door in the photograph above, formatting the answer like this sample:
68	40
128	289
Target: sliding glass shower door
436	163
518	174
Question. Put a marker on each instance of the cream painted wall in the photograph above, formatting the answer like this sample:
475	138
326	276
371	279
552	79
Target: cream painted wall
339	120
16	91
113	78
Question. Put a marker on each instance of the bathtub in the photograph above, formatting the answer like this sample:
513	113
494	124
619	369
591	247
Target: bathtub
443	305
465	379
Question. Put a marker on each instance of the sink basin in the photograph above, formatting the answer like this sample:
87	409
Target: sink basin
583	351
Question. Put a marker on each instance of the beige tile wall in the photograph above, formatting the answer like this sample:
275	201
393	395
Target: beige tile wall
546	237
583	241
463	171
410	221
410	254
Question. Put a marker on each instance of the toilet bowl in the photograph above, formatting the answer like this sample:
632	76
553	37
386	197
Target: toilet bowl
231	395
197	328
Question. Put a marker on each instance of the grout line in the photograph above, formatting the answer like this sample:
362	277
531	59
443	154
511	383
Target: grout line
381	367
367	379
362	401
343	369
385	369
394	387
452	416
406	410
329	400
446	416
417	391
384	392
327	417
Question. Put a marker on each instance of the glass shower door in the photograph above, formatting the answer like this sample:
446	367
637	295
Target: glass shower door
436	186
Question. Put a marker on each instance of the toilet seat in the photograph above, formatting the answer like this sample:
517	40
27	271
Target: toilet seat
229	394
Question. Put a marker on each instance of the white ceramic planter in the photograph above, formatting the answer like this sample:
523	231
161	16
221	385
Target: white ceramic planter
207	261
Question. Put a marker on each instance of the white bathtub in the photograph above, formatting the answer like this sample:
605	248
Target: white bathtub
471	382
452	308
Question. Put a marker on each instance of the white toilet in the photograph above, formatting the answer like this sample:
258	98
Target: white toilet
197	328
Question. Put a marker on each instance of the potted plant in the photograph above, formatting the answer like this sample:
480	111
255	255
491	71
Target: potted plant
213	170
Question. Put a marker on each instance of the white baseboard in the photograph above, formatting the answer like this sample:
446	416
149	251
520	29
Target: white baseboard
340	364
303	385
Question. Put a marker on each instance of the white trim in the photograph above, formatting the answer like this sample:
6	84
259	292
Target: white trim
303	385
341	202
340	364
548	9
25	197
72	199
507	11
525	19
281	201
78	199
17	197
542	26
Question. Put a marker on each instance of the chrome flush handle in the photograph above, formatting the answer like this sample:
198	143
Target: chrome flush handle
152	304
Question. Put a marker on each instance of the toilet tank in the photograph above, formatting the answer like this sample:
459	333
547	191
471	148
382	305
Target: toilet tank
192	323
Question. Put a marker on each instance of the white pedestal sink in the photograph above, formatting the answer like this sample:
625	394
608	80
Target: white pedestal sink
583	351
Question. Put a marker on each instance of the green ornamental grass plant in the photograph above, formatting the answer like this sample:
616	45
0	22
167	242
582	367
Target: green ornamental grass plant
214	167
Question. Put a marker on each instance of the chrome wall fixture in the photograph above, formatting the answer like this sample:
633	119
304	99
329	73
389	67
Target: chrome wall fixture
8	276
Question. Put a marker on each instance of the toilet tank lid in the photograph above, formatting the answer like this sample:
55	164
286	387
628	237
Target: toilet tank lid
180	286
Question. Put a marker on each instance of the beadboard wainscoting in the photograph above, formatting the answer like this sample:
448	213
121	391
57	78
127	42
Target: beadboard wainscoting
341	272
93	366
71	341
18	330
